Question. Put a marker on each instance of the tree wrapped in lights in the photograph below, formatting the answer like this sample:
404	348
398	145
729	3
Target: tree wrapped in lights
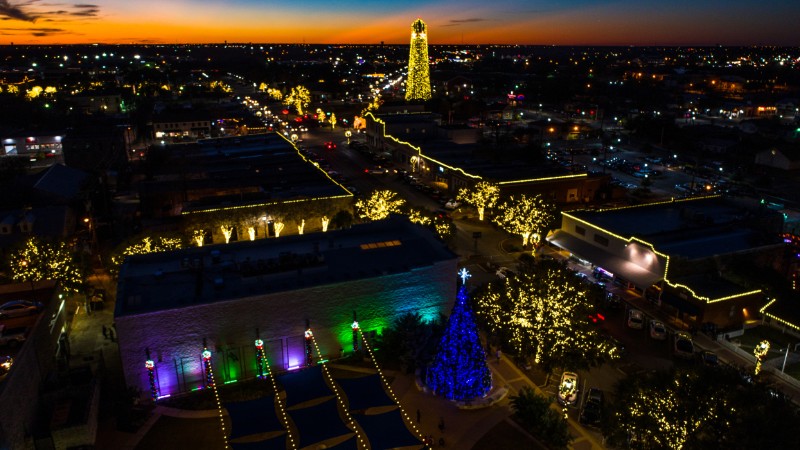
418	84
483	195
299	98
148	245
459	370
527	216
379	205
760	353
39	260
543	314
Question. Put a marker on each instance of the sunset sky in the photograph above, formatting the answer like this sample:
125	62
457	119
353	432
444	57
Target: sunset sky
578	22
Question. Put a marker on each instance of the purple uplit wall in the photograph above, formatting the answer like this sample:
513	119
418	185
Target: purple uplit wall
175	336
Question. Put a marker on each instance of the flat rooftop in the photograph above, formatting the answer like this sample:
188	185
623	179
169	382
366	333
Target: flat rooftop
693	229
198	275
463	156
242	170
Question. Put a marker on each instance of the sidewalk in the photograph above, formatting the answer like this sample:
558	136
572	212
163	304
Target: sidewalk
464	428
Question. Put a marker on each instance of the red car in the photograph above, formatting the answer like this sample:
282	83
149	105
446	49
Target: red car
330	146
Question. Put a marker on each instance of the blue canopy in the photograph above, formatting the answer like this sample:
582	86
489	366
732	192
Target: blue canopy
253	417
349	444
276	443
365	392
304	385
319	422
386	430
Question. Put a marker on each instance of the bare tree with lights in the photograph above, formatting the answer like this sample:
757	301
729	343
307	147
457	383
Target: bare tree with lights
483	195
379	205
543	315
526	216
299	98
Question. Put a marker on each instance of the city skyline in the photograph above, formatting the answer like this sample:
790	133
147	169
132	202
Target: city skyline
574	22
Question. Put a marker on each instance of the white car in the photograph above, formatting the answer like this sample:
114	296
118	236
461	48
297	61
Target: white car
635	319
452	204
657	330
568	388
504	272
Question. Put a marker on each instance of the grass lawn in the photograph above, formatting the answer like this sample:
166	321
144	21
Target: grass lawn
777	339
793	370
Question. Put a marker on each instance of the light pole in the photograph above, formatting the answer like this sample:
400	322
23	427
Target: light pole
24	264
264	219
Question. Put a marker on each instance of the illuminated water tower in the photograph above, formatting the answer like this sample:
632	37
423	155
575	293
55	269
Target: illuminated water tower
418	84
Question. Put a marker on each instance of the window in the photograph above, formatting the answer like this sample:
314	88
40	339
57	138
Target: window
602	240
580	230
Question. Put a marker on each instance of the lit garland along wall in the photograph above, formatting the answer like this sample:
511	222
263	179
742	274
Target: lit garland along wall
388	387
666	266
339	396
763	311
430	160
210	383
266	372
418	84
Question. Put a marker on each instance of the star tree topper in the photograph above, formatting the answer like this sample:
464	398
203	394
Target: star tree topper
464	274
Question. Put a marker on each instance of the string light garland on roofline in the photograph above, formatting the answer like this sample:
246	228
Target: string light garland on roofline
632	239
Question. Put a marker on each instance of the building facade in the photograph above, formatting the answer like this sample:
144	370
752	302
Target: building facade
171	305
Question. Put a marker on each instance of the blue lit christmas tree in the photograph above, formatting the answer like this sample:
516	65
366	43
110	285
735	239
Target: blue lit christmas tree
459	370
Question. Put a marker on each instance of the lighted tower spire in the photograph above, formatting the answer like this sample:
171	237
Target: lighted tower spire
418	84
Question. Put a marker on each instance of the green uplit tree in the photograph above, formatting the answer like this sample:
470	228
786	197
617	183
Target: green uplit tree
483	195
534	413
526	216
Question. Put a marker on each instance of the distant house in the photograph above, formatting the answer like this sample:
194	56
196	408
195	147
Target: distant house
784	158
179	124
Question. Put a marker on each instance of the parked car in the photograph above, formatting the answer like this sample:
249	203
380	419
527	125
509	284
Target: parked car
5	365
592	411
613	301
12	337
19	308
452	204
657	330
683	345
568	388
708	358
635	319
504	272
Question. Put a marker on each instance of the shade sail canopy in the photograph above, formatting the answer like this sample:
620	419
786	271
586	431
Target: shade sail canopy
364	392
253	417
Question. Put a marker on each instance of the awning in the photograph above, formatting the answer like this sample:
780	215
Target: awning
638	275
682	305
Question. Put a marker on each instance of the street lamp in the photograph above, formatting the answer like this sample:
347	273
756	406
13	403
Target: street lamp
24	264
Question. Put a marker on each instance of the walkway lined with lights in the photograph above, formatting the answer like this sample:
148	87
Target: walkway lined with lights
373	418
